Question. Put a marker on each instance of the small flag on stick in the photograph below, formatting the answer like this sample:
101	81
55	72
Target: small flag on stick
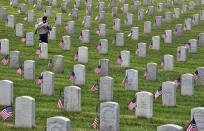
40	80
132	104
59	104
72	78
158	92
119	60
95	87
5	60
7	113
49	63
20	70
98	69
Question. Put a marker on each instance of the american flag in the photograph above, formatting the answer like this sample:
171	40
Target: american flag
97	18
38	51
119	60
66	27
26	18
155	22
59	104
95	87
83	22
76	56
158	8
114	40
23	39
129	35
192	126
177	82
50	63
99	47
188	45
164	35
98	69
114	25
45	13
150	46
196	75
98	32
145	73
95	122
126	21
137	51
162	63
19	11
61	44
193	19
81	36
174	15
20	70
7	112
40	80
158	92
178	54
72	78
6	23
125	80
132	104
175	32
185	28
55	20
5	60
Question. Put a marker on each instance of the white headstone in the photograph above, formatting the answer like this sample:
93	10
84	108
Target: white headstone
106	88
67	42
193	45
4	46
58	123
6	92
141	51
29	70
187	85
152	71
104	46
200	81
156	42
144	106
168	93
25	112
198	114
181	53
29	39
83	54
168	62
14	59
52	35
109	116
132	80
125	55
147	27
104	63
80	73
59	64
44	51
169	127
47	86
72	99
19	30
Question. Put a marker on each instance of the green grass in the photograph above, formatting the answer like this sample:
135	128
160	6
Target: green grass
46	105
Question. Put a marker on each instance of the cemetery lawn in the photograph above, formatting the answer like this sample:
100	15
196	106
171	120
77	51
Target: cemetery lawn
46	105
